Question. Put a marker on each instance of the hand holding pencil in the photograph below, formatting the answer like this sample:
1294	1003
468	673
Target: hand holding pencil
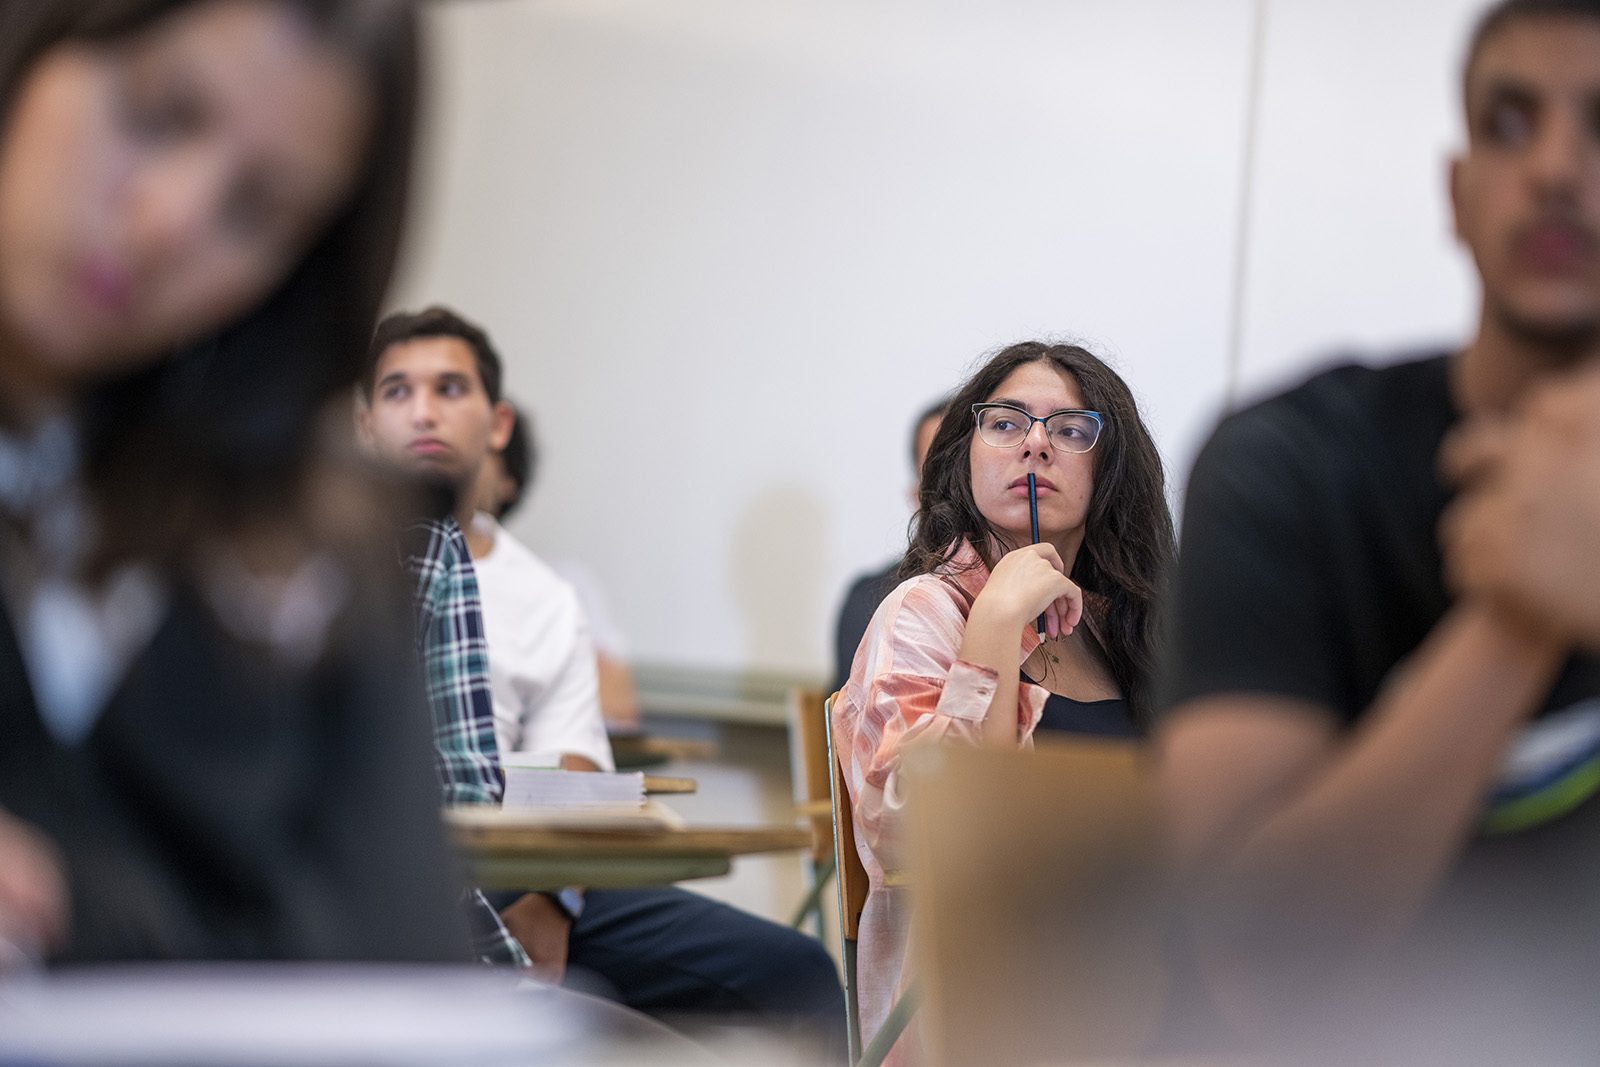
1029	585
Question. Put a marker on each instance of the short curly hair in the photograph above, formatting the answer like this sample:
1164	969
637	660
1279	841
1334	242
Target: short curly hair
436	321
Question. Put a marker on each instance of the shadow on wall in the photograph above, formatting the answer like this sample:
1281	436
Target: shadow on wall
777	572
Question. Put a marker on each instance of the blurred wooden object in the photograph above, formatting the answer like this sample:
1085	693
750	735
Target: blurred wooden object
547	850
657	784
852	875
1040	910
852	884
636	751
808	765
813	794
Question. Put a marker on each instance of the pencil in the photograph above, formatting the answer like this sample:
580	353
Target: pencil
1033	520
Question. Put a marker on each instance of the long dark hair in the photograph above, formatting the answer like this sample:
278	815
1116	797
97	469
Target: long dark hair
223	426
1128	540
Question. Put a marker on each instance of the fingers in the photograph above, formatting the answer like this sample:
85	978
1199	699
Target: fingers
1062	614
1033	580
1048	553
33	895
1065	612
1468	456
1465	533
1556	419
1522	533
1072	607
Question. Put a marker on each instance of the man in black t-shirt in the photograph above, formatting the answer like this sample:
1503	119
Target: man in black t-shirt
1382	791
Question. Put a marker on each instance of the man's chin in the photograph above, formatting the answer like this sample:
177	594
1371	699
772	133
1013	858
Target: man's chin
428	473
430	469
1563	334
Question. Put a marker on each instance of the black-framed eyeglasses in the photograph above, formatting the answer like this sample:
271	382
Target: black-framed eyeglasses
1007	426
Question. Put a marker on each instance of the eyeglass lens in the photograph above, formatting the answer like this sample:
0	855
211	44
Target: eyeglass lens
1068	431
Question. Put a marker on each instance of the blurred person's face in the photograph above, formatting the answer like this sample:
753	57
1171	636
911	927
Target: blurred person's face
157	187
1527	193
921	442
1065	480
430	413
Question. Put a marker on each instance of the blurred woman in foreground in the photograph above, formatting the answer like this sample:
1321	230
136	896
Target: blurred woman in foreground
953	653
209	751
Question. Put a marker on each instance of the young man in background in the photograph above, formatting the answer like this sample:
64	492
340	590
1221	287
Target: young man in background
435	408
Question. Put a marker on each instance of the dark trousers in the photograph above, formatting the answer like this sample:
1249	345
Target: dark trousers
675	954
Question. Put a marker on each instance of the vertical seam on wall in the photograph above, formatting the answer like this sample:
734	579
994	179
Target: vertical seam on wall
1242	233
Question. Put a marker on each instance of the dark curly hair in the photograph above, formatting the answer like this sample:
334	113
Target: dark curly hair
520	458
1128	539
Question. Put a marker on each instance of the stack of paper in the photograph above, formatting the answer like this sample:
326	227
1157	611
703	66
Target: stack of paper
538	787
651	817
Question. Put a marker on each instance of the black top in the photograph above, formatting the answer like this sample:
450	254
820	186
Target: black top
855	615
227	807
1092	718
1310	568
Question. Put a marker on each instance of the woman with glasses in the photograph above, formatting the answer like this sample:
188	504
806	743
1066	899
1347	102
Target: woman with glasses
956	652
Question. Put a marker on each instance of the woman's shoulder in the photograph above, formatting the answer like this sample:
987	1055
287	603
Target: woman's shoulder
937	593
921	622
950	587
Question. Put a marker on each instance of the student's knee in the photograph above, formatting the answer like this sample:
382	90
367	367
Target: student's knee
796	969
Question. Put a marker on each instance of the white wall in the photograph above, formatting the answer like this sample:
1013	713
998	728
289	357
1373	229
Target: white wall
730	246
1351	246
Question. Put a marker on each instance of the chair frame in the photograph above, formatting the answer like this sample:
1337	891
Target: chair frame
852	887
810	760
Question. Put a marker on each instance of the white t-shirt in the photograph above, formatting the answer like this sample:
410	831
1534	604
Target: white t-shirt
541	658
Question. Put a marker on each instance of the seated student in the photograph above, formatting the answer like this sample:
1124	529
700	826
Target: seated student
207	696
542	663
868	591
436	408
1383	788
953	654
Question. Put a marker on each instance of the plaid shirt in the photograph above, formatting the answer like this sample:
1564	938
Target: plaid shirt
455	664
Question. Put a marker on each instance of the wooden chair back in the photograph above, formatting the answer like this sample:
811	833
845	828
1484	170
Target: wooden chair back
852	875
1039	908
852	885
809	766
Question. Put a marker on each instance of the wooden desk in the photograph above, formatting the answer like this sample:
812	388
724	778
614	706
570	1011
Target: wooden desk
508	851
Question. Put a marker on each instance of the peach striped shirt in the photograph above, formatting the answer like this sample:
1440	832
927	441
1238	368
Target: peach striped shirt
907	686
